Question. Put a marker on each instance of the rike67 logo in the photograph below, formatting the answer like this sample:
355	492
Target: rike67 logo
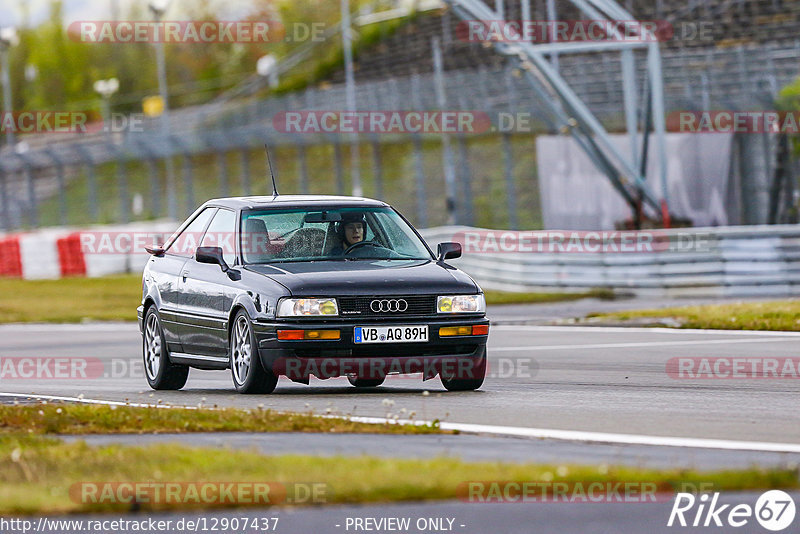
774	510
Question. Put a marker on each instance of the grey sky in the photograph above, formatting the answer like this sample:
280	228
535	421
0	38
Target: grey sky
101	9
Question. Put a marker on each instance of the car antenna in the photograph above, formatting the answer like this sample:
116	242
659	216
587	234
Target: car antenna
269	163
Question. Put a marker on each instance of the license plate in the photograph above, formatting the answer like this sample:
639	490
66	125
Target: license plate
390	334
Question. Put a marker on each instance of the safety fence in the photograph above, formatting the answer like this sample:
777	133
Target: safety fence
65	179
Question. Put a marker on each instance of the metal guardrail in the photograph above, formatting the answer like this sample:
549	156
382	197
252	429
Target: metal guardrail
734	261
730	261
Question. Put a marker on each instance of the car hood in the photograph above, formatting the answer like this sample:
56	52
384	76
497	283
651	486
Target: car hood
365	277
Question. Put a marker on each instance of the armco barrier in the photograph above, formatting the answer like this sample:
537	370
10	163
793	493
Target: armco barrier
737	261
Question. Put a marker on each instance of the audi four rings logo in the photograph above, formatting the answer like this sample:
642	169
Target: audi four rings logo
386	305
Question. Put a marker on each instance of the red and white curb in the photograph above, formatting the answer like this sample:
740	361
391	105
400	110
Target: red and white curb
61	252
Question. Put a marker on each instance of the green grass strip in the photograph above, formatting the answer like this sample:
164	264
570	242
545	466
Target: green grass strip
43	476
102	419
778	316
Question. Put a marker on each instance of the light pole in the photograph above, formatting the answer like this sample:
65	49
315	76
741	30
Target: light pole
350	90
8	38
158	8
106	88
266	68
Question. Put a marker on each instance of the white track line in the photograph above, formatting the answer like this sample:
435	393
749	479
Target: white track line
82	327
622	439
631	345
643	330
93	401
511	431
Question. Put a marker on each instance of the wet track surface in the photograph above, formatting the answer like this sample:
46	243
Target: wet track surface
470	448
609	380
598	380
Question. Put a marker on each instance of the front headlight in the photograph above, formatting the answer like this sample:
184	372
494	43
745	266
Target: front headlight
307	307
461	304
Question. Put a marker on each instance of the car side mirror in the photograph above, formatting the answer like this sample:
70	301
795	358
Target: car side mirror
448	251
155	250
212	255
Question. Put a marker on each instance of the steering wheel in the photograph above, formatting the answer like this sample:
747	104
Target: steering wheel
360	244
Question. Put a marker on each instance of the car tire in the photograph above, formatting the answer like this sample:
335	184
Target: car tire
365	382
161	374
471	383
249	376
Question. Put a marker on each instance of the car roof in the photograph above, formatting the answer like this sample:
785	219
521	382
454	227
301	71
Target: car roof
293	201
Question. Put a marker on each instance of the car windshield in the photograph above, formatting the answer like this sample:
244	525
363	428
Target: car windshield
336	234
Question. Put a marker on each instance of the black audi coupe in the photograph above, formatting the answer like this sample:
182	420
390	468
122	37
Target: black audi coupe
306	286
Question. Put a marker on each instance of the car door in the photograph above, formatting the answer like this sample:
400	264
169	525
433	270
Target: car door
166	273
208	292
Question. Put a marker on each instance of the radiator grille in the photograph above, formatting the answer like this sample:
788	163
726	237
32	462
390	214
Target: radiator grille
389	307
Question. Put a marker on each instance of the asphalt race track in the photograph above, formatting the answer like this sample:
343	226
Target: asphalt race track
608	380
555	394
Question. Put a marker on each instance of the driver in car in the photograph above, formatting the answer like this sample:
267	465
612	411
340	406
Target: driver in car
350	230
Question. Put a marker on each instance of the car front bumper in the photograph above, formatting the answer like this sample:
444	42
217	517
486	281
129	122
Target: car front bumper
298	360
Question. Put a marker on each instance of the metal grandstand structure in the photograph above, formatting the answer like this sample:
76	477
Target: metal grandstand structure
567	113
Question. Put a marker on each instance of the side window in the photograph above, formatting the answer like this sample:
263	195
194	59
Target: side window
221	234
185	243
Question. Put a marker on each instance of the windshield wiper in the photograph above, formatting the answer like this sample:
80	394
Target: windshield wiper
388	259
336	258
287	260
